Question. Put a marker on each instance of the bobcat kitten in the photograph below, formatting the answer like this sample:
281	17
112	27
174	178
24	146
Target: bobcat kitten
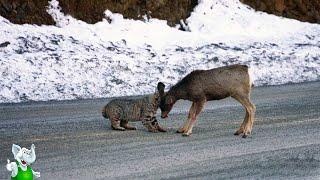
121	111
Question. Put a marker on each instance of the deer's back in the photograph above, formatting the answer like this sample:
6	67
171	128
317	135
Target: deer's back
215	83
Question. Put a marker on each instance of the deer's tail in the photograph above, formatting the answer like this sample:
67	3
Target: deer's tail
251	76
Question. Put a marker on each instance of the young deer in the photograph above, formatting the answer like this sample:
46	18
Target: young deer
201	86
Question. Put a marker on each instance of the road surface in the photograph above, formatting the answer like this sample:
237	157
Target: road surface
73	141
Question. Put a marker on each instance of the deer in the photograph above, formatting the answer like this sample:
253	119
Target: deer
201	86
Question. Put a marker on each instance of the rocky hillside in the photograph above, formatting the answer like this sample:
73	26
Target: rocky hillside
91	11
303	10
25	11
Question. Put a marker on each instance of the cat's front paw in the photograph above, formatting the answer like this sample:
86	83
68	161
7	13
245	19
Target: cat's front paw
154	130
161	129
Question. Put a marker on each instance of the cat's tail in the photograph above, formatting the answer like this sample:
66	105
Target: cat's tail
104	112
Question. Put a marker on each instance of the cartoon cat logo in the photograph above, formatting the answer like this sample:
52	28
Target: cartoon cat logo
21	170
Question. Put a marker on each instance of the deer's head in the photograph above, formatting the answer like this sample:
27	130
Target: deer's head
166	101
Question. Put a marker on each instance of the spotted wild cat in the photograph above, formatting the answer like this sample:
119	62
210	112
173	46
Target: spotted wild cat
121	111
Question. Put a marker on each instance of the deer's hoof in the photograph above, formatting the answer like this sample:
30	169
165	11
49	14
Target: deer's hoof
180	131
236	133
186	134
245	136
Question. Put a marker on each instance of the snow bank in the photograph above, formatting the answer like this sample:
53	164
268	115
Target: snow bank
126	57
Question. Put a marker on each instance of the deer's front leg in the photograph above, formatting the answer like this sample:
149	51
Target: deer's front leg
184	128
197	109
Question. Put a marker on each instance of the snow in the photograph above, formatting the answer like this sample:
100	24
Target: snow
75	60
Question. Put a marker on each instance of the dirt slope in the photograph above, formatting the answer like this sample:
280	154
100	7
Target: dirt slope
91	11
303	10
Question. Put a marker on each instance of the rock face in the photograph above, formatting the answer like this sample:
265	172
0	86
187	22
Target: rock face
25	11
303	10
91	11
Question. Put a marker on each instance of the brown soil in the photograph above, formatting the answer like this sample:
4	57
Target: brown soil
303	10
91	11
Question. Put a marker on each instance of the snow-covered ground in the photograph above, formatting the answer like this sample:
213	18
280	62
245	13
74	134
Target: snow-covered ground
127	57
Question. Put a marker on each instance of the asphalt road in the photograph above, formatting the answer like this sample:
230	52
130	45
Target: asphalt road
73	141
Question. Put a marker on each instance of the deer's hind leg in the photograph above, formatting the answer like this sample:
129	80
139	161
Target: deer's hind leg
246	126
241	129
124	124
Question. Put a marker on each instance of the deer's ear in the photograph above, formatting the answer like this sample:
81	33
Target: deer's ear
160	88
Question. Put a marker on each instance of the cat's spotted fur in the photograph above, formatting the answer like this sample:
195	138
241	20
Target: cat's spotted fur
121	111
